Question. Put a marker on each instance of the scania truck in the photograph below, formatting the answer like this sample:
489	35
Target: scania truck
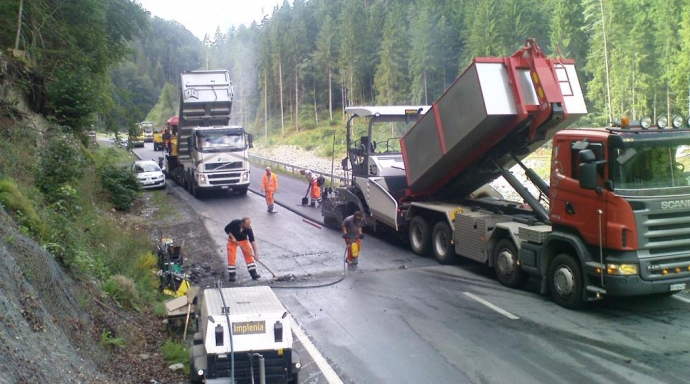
614	220
208	153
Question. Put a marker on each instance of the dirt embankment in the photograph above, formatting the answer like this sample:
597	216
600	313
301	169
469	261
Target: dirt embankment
52	328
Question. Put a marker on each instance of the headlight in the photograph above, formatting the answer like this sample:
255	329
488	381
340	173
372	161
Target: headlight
662	122
645	122
677	121
200	372
202	178
623	269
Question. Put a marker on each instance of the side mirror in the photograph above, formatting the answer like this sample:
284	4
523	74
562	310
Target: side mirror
250	140
588	170
588	177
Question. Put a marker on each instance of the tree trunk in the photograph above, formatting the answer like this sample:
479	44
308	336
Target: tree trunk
19	25
265	105
280	85
606	62
297	100
330	92
426	91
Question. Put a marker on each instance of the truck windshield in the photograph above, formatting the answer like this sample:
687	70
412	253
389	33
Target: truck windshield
148	128
221	141
652	168
386	135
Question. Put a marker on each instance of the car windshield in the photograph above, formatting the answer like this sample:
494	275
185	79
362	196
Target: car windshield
146	167
656	166
221	141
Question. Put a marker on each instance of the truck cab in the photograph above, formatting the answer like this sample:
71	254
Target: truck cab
374	158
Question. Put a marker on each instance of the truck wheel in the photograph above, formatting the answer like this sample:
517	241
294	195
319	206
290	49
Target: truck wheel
441	243
194	189
294	379
565	281
193	377
420	238
242	191
505	264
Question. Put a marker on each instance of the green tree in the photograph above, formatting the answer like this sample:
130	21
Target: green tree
390	80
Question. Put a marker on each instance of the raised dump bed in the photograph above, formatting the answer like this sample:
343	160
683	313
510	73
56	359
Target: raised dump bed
475	115
205	101
206	98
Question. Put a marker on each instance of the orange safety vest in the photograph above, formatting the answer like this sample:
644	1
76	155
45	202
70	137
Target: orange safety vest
269	185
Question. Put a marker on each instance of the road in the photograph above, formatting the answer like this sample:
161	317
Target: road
401	318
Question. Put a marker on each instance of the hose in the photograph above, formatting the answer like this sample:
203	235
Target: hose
318	285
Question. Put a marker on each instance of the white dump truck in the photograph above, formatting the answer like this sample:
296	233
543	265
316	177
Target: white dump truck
242	334
207	152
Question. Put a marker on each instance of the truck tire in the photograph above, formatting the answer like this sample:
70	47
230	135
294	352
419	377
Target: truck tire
294	379
565	281
505	258
242	191
420	238
193	377
442	244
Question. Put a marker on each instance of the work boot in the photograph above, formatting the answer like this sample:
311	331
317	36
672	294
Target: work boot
313	204
255	275
231	277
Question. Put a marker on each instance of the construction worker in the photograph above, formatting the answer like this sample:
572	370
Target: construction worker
269	184
166	140
314	187
352	232
240	233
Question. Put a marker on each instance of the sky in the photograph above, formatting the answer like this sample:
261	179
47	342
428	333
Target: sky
203	16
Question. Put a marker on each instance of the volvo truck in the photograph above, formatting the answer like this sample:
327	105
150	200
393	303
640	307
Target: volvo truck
208	153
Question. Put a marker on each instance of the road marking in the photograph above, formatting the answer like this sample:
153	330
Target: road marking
681	299
495	308
320	361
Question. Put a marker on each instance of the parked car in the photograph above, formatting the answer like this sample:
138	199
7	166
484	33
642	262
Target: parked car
149	174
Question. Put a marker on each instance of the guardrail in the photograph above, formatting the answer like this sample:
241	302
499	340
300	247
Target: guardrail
294	169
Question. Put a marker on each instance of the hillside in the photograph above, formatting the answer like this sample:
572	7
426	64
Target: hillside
78	299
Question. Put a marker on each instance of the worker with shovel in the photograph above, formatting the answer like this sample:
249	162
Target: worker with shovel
240	233
314	190
352	233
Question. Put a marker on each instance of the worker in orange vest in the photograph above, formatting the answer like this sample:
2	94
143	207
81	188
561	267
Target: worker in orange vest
314	187
269	185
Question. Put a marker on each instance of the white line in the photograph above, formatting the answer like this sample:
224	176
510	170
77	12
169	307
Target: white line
678	297
495	308
320	361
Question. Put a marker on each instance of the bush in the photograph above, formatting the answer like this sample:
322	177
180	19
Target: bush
121	183
61	162
18	205
175	353
123	291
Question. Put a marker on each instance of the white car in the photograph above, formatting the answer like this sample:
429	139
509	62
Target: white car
149	174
